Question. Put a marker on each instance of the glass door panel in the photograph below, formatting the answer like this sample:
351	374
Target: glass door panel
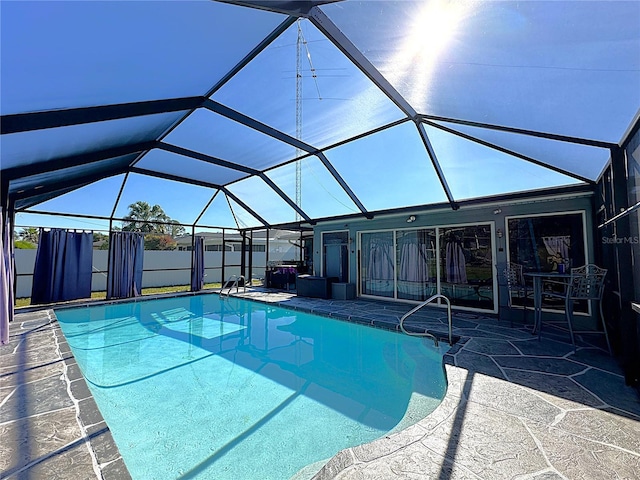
466	266
377	264
416	264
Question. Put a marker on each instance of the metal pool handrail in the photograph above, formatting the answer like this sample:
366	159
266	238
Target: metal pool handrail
427	334
236	283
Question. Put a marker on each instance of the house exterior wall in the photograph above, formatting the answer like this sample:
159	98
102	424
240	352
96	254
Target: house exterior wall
472	215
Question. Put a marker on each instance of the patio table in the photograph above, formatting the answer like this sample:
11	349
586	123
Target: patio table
537	278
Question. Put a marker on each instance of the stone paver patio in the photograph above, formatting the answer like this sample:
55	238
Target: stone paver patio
515	407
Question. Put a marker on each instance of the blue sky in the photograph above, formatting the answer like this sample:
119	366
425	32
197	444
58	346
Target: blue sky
571	68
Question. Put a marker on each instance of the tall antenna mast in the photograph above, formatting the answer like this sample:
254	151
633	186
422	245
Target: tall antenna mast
299	45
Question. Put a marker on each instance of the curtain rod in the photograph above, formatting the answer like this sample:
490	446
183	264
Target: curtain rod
93	230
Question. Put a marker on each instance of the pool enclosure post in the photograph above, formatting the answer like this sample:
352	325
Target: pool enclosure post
624	269
266	257
222	277
243	254
250	273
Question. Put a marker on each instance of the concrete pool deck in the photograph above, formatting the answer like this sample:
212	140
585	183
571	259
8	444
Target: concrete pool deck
515	407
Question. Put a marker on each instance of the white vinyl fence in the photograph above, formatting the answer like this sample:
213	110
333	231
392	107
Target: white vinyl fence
161	268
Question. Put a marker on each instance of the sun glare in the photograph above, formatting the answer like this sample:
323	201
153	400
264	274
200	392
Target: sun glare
432	31
434	27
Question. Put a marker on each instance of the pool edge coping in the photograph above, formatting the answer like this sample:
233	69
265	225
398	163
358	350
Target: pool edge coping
107	460
346	458
108	444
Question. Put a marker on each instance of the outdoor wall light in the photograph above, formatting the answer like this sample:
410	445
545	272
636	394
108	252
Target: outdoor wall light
411	219
499	233
497	211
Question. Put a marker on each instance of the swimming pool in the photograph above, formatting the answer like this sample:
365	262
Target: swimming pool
204	387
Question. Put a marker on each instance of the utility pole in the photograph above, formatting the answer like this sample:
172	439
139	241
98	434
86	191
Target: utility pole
299	45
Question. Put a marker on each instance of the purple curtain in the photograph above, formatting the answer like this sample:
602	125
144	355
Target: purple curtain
62	271
197	272
126	251
6	281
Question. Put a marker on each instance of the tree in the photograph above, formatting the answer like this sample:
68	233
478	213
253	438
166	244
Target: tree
30	234
100	241
141	218
154	241
173	228
144	218
24	245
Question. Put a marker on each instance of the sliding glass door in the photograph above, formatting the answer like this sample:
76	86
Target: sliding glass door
414	264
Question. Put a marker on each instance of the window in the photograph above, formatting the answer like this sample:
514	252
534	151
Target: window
217	248
541	243
548	243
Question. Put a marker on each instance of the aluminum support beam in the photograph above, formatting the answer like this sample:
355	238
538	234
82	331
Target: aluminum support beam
279	30
64	186
295	8
509	152
206	207
278	135
246	207
174	178
234	166
286	198
436	165
257	125
531	133
624	264
26	122
117	202
339	39
75	160
325	161
207	158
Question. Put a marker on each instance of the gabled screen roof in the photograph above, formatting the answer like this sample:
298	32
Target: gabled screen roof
251	113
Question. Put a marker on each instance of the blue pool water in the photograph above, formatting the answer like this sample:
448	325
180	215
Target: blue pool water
211	388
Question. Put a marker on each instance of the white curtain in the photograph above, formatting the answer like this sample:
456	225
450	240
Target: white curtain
415	260
414	264
377	256
455	263
557	248
380	261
